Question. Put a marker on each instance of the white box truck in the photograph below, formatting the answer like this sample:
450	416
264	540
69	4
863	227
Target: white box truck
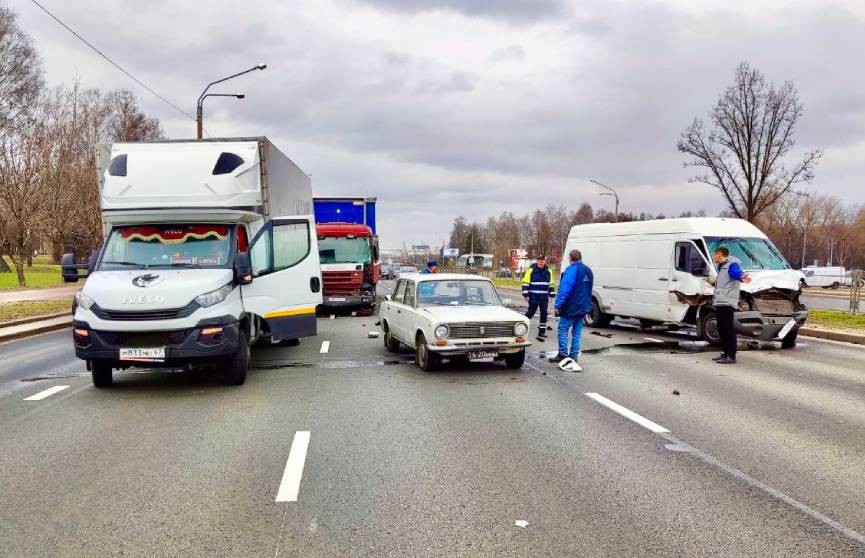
209	246
659	272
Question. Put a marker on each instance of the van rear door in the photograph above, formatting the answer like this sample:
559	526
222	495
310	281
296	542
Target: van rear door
286	285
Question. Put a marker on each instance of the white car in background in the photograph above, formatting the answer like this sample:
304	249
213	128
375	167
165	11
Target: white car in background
454	317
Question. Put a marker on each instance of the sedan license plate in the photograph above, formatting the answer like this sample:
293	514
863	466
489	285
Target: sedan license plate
153	354
479	355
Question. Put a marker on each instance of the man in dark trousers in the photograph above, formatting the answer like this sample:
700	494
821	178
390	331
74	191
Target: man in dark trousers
573	303
538	289
728	285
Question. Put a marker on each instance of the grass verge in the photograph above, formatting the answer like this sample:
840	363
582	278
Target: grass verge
17	310
42	274
834	319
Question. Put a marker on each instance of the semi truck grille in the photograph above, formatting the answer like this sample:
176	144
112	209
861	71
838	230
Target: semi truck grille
481	330
342	282
142	315
144	339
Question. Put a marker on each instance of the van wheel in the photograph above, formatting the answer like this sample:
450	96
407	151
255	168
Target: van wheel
391	345
707	328
102	374
597	318
516	360
836	285
425	359
790	340
238	365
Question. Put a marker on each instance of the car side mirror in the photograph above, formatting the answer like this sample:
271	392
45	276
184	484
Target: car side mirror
69	268
242	268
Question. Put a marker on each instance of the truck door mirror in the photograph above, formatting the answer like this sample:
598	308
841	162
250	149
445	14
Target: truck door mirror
242	268
69	268
91	261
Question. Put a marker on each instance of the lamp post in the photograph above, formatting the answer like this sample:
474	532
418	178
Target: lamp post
199	115
610	193
805	227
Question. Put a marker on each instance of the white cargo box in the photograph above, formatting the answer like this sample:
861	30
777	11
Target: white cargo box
242	179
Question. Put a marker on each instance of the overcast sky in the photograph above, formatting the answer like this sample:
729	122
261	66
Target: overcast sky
474	107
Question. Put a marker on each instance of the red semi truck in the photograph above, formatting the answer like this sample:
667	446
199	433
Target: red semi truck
348	251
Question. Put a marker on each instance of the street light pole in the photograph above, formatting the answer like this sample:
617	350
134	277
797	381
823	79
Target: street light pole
611	193
199	114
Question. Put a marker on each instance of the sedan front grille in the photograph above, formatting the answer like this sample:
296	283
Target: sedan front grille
481	330
142	315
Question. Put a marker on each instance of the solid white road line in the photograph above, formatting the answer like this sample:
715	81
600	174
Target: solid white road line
290	484
45	393
627	413
325	347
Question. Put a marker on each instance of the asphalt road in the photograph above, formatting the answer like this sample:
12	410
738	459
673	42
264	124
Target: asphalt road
766	458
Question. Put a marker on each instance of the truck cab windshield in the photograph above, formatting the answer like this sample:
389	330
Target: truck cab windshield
754	253
343	250
167	246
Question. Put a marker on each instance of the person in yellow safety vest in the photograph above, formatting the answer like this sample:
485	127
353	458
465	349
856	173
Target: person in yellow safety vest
538	289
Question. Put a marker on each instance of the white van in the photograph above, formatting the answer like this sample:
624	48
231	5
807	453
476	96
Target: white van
210	245
827	277
658	272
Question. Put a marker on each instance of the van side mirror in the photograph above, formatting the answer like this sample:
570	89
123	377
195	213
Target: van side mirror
242	268
69	268
91	262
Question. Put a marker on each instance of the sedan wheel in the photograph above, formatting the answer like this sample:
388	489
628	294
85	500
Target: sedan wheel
426	361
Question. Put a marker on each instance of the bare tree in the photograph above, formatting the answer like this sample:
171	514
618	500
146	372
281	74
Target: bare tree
751	131
20	72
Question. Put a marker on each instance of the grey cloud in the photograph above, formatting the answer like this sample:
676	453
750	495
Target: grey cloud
517	11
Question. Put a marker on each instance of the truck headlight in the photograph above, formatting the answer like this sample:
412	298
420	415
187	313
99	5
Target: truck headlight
442	331
214	297
521	329
83	300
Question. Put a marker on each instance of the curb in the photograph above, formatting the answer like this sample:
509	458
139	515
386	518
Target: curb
833	335
32	319
36	329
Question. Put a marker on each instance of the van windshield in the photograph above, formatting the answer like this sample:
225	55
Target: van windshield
343	250
754	253
166	246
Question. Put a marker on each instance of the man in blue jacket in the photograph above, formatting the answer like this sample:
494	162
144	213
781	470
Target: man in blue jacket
573	302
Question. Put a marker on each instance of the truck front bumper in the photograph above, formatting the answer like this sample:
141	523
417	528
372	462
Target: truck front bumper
343	301
765	328
204	342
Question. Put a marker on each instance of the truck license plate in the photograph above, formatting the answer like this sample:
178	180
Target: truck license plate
154	354
478	355
786	329
335	299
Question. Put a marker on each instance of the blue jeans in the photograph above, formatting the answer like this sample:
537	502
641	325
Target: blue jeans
574	327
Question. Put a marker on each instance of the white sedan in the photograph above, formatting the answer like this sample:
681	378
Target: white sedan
452	316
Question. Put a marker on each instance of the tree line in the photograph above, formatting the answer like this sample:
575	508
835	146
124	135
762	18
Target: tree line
48	183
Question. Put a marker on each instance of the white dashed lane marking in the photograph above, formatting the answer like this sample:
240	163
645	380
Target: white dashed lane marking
627	413
290	484
45	393
325	347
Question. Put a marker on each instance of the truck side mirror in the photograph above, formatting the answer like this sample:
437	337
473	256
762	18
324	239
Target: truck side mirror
91	262
242	268
68	268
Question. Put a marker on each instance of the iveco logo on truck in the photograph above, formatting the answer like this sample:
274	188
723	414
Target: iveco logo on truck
144	299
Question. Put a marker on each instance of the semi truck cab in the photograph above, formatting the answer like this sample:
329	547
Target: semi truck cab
350	264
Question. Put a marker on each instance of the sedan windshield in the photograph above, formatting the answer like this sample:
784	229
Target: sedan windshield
343	250
754	253
469	292
165	246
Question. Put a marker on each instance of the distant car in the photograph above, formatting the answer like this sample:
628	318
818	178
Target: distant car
504	273
454	317
389	271
406	269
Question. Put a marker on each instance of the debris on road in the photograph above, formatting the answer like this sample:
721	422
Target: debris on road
607	335
521	523
372	334
676	392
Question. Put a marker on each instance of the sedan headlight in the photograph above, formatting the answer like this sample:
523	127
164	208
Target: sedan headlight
84	301
442	331
214	297
521	329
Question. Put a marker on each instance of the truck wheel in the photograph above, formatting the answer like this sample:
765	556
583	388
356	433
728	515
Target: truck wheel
102	374
707	328
596	317
391	345
790	340
425	359
238	365
515	361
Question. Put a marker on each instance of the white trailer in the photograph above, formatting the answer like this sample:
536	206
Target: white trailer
659	273
209	246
